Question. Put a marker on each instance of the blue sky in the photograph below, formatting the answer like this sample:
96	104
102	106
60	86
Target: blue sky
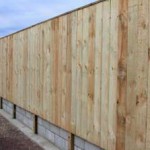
18	14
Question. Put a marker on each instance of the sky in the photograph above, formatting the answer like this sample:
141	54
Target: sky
19	14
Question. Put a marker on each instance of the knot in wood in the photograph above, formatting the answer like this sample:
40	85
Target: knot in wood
122	74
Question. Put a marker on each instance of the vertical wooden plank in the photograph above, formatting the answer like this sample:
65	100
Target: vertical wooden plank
7	68
74	79
142	79
45	50
17	68
1	66
11	67
33	73
33	50
85	56
17	91
53	71
97	77
47	76
56	62
55	26
14	91
91	73
148	103
64	79
25	67
50	106
122	74
69	73
37	59
20	71
137	79
4	67
60	71
36	71
131	82
113	71
41	68
78	71
105	75
1	61
29	71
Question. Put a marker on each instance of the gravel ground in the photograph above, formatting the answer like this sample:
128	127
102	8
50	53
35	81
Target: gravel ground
13	139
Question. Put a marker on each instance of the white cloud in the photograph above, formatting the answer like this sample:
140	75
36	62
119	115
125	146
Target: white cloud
18	14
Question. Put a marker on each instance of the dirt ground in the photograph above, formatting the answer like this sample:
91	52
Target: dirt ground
13	139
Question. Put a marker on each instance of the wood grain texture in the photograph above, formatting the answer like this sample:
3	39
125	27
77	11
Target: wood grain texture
148	102
59	70
86	71
122	74
105	74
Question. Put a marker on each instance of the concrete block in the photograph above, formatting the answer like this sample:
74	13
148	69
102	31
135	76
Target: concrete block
28	122
42	131
64	134
46	124
55	129
79	142
29	115
77	148
89	146
61	143
20	110
9	110
40	121
4	102
50	136
19	117
5	107
9	104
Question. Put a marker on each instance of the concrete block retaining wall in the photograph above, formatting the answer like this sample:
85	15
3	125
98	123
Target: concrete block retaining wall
47	130
7	106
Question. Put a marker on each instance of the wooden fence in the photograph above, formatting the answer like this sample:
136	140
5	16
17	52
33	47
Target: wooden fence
85	71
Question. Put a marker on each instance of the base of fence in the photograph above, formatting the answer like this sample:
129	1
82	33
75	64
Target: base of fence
56	135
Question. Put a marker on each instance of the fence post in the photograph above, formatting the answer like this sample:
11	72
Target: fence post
14	112
70	141
35	124
1	103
